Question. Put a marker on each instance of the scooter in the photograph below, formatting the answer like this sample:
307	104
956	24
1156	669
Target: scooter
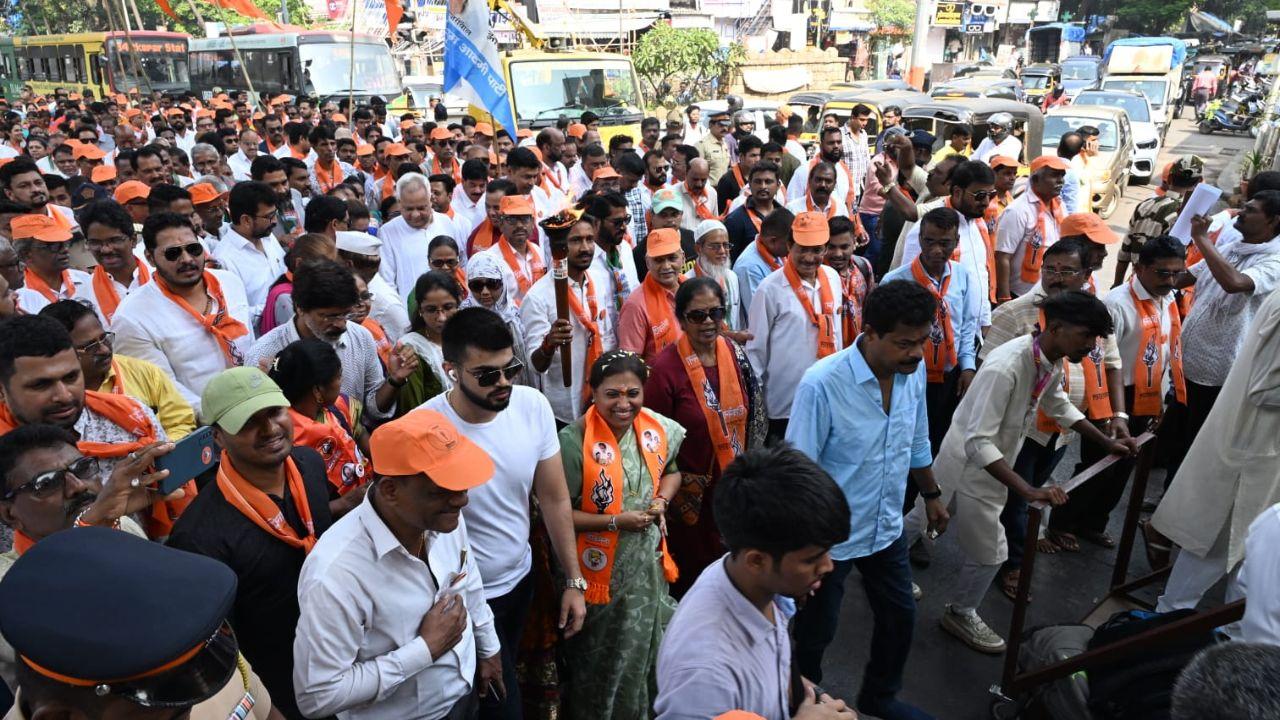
1231	115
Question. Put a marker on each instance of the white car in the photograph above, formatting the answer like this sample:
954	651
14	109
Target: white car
1146	135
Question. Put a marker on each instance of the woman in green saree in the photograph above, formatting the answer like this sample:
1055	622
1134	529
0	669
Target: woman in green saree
437	296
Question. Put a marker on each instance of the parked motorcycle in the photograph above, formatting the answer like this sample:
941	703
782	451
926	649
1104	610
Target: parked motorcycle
1237	114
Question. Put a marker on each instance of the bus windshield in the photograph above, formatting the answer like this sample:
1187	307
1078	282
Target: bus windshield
327	69
163	64
545	89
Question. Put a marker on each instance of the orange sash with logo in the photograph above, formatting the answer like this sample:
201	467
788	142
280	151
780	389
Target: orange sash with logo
725	412
35	282
1033	253
661	312
104	287
855	293
262	510
328	179
940	348
602	494
536	268
380	339
343	463
1097	396
594	348
222	325
454	169
1148	399
824	322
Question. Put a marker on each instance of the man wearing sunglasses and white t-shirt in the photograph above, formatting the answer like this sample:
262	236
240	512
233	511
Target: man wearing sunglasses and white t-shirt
514	424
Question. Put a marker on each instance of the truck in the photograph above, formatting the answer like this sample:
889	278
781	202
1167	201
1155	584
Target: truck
1151	67
1054	42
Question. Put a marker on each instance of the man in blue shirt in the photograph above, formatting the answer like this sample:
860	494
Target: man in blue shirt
764	255
860	414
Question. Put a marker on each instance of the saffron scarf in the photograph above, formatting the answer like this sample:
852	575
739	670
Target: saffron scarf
483	237
536	267
224	328
35	282
262	510
940	347
984	230
602	467
1148	400
1097	396
662	314
855	293
331	437
104	288
1033	253
588	321
726	412
773	262
824	322
330	178
380	339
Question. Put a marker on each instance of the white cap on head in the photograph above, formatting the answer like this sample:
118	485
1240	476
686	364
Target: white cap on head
707	226
361	243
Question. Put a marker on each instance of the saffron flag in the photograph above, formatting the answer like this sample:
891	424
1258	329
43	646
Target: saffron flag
167	9
394	13
244	7
471	66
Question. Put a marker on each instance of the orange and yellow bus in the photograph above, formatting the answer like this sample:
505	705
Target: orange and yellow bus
103	63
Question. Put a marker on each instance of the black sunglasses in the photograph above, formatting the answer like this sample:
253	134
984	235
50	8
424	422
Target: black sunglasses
700	316
488	377
51	482
482	284
174	252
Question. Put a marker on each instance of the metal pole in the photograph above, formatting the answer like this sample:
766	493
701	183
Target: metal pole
351	79
284	12
109	48
919	63
133	50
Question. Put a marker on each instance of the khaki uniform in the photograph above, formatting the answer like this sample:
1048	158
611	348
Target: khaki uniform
716	153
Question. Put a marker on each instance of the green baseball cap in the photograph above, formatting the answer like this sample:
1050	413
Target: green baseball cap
234	395
666	199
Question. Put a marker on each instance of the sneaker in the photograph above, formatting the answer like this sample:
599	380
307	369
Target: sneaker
919	554
971	630
916	592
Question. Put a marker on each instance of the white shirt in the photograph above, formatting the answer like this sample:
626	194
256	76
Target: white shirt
185	142
689	221
627	274
285	151
579	181
257	269
1128	326
973	255
32	302
404	249
785	342
151	327
388	308
240	164
46	166
1010	147
1260	580
362	596
796	150
497	512
1214	330
474	213
121	291
799	185
801	204
524	261
538	312
8	152
1019	226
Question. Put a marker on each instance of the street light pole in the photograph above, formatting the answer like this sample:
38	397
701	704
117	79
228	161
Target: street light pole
919	64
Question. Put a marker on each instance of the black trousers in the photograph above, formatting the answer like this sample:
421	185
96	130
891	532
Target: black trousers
940	401
1191	417
510	612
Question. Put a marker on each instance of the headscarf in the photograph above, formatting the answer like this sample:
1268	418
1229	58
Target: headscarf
485	266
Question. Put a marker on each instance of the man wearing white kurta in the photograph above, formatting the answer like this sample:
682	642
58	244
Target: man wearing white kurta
974	464
405	239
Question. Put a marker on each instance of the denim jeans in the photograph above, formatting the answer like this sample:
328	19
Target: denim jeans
870	223
886	578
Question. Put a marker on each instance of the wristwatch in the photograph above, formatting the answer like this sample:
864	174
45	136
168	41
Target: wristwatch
1122	416
932	495
579	584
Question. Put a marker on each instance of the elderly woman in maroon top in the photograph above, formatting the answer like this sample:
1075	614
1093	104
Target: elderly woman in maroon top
705	383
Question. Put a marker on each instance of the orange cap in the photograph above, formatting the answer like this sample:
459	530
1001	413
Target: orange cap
397	150
121	99
203	193
204	114
84	151
605	172
406	124
577	130
536	153
1090	226
516	205
484	129
103	173
130	190
424	441
1050	161
364	150
259	116
523	133
338	118
441	134
664	241
73	97
739	715
131	112
176	111
809	229
38	227
999	161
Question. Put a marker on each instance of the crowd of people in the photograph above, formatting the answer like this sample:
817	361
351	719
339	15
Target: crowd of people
570	423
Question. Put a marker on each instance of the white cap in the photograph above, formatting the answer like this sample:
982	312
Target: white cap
361	243
707	226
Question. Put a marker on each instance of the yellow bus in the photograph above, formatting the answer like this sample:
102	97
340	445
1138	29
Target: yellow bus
542	86
103	63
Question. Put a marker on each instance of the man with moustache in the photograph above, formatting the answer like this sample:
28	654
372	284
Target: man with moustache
555	178
820	197
405	239
647	323
830	150
24	183
516	249
666	211
261	518
41	383
699	199
856	276
190	321
109	236
711	244
247	247
1029	227
241	162
44	246
468	197
489	410
744	223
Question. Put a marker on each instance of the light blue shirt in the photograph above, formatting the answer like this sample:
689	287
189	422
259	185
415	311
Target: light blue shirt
964	302
1071	192
751	270
838	420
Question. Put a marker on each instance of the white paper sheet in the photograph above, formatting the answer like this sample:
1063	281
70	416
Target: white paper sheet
1201	202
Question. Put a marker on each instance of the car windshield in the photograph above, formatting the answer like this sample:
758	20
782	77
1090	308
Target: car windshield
1152	90
1136	107
1035	82
546	89
328	71
1079	71
1055	126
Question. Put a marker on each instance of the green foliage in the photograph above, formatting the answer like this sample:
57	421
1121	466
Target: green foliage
41	17
1152	17
665	56
898	14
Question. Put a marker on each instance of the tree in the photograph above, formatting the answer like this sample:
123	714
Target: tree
41	17
898	14
664	56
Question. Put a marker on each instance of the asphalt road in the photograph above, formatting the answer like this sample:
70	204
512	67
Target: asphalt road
943	676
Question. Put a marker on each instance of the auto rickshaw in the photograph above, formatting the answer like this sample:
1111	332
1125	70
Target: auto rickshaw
1039	80
841	104
809	106
939	116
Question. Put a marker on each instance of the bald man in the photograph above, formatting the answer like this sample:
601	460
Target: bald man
699	197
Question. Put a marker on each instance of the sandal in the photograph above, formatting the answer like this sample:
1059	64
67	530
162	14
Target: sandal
1009	585
1046	546
1064	540
1101	539
1157	546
